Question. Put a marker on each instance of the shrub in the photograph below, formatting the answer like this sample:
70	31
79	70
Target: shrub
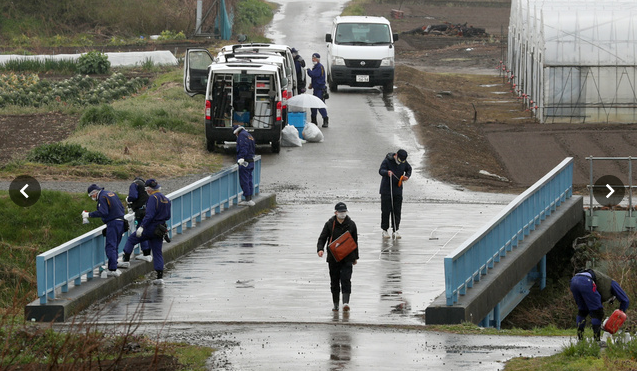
101	115
59	153
93	63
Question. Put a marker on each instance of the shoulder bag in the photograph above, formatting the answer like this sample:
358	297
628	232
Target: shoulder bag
342	246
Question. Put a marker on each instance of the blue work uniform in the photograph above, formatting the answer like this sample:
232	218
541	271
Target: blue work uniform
111	210
591	288
391	195
299	64
137	198
158	210
246	150
317	74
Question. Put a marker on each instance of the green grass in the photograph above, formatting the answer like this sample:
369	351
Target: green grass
468	328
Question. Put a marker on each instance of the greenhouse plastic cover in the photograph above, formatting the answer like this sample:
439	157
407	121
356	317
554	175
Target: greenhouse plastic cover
158	57
582	32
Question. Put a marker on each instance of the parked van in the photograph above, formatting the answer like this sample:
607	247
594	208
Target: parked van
239	91
360	52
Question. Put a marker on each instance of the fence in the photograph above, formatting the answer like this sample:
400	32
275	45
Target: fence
480	252
82	256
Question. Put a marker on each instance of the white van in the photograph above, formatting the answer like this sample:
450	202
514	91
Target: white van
238	91
360	52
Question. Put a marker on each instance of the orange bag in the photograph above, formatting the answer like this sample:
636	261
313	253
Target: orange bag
342	246
614	322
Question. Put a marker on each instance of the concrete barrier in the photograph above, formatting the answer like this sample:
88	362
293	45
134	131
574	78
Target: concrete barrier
80	297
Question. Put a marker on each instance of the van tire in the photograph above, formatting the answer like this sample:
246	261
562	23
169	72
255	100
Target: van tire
388	88
333	87
276	146
210	145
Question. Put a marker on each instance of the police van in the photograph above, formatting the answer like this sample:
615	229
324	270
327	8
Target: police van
360	52
244	92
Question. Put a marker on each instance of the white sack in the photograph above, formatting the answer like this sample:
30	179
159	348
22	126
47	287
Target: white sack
312	133
290	137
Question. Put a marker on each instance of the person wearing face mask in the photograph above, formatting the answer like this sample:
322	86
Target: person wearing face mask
153	228
340	271
394	170
299	64
111	210
317	74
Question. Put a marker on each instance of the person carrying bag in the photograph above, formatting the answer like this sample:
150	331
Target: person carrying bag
340	231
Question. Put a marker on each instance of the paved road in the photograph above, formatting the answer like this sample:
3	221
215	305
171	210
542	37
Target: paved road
261	295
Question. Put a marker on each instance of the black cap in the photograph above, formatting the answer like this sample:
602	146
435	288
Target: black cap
402	154
340	206
93	187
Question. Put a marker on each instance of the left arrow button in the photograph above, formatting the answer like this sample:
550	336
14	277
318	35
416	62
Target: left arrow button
23	192
18	194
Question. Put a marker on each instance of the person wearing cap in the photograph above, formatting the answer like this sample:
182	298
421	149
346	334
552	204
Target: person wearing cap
153	228
317	74
299	64
136	200
394	170
340	271
246	150
111	210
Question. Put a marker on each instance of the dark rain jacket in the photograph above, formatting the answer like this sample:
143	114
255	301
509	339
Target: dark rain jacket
339	228
389	163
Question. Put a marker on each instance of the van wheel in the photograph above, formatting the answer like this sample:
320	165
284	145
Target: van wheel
333	87
210	145
276	146
388	87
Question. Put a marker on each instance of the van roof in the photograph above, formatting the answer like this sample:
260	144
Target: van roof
360	19
249	67
256	46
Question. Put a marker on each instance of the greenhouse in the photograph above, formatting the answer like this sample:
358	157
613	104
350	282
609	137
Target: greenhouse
575	61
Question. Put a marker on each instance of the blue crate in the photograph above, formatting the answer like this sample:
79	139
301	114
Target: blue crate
243	117
297	119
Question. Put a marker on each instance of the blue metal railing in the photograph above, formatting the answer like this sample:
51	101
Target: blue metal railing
480	252
69	262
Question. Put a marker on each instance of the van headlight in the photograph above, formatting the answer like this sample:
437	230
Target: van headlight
338	61
387	62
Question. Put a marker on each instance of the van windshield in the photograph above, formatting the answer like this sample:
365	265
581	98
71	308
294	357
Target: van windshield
362	34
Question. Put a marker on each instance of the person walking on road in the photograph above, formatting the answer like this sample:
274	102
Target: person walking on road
299	65
317	74
394	170
340	271
111	210
245	159
153	228
136	200
591	288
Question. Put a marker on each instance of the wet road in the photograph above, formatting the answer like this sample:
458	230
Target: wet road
261	295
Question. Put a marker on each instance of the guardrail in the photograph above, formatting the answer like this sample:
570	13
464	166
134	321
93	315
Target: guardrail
480	252
81	256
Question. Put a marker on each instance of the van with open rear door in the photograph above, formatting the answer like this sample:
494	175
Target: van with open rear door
243	92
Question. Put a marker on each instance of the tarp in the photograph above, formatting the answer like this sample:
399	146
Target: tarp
158	57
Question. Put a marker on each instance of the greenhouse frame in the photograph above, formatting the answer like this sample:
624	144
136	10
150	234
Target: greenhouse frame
575	61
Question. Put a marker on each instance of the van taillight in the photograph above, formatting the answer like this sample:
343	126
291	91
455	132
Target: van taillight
279	110
208	105
285	98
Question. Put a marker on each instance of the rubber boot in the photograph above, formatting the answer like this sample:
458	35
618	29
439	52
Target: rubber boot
346	298
160	275
313	120
597	332
126	257
326	121
580	334
335	299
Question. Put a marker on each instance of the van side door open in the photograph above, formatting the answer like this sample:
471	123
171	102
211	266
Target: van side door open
196	68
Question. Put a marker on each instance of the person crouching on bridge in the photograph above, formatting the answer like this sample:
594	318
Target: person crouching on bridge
340	271
591	288
153	228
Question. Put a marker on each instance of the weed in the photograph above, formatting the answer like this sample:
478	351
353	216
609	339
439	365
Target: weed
93	63
104	114
58	153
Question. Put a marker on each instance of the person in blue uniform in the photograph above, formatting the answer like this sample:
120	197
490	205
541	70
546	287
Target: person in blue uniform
299	65
137	198
317	74
591	288
245	159
111	211
394	169
340	271
153	228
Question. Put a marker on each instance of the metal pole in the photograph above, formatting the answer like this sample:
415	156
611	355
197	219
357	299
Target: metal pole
630	187
199	11
590	192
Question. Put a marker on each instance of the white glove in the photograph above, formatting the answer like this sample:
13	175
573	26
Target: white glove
84	214
241	161
139	231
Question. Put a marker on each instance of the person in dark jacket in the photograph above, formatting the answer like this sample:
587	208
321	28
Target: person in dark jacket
246	150
152	228
317	74
299	65
394	170
136	200
340	271
111	211
591	288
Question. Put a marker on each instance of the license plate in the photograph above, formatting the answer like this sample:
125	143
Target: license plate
362	78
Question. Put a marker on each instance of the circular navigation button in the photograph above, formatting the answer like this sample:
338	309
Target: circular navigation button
609	191
24	191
